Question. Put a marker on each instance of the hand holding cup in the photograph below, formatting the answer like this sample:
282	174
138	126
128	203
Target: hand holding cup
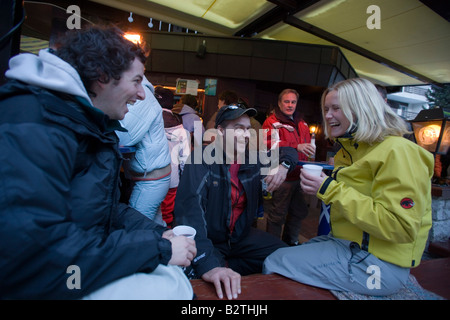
185	231
311	178
183	246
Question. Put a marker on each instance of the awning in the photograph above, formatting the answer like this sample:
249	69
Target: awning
394	43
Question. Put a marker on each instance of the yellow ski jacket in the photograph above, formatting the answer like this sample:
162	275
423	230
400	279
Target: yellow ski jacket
380	197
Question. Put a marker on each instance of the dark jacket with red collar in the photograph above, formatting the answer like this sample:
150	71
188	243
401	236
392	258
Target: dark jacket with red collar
203	201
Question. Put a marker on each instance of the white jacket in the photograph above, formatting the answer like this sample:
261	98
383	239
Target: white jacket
179	146
145	127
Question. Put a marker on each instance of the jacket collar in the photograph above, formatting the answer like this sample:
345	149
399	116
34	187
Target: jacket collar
285	119
355	149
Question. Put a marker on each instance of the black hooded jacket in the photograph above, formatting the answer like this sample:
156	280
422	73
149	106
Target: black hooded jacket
59	200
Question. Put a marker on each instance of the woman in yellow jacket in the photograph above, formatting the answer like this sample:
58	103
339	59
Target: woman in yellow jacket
379	195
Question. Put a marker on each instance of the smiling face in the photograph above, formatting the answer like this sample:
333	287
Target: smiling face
335	118
288	104
112	97
236	132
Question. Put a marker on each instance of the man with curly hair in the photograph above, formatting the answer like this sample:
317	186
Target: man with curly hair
63	232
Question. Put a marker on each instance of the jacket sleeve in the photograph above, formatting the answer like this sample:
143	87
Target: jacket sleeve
271	135
40	240
289	155
184	148
190	209
381	213
287	152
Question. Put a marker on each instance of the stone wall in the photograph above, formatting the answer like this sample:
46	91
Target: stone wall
440	230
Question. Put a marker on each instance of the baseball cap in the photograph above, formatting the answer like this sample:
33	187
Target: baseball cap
232	112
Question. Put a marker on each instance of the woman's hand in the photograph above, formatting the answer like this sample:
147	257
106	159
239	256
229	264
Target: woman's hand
310	183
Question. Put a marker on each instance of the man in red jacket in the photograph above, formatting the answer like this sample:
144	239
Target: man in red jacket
287	206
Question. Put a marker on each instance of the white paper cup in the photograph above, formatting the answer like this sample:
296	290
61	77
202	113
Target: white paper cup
186	231
313	169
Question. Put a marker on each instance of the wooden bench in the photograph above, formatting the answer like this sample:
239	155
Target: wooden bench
265	287
441	248
433	275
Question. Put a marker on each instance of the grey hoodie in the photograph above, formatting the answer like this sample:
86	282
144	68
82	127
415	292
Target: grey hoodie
48	71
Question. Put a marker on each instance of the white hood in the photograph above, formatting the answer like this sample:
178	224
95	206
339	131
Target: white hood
48	71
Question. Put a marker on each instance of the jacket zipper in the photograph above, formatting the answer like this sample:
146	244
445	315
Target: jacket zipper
349	154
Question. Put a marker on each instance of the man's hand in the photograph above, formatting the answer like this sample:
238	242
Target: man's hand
307	149
168	234
231	281
183	251
274	181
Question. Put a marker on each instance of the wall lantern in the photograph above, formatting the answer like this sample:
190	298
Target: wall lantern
432	130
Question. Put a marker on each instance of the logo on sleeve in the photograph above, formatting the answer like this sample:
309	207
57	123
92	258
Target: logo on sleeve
407	203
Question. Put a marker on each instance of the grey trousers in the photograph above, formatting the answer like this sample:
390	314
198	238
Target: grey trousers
337	264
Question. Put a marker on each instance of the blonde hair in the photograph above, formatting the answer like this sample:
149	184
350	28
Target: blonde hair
371	118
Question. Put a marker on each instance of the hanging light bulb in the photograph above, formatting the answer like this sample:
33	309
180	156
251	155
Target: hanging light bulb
133	37
150	24
130	18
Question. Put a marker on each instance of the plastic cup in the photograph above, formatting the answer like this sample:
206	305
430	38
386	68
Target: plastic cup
185	231
313	169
